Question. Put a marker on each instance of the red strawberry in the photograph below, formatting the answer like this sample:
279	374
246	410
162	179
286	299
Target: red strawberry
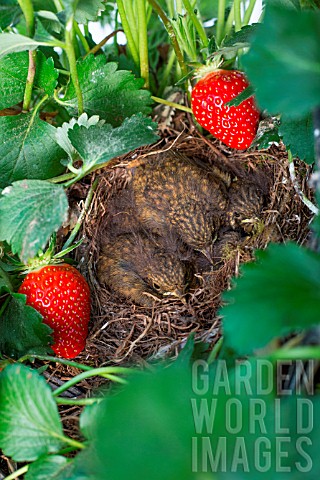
62	296
235	126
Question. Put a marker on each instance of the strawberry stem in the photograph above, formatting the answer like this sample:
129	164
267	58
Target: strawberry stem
220	21
30	79
105	372
157	8
229	22
27	9
143	41
248	12
172	104
198	25
79	401
82	38
69	49
48	358
17	473
126	22
237	15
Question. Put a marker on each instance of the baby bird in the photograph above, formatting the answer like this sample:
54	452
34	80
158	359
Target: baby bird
246	201
171	191
142	267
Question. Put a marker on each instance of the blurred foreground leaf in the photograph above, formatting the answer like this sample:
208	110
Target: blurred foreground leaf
283	63
276	295
29	424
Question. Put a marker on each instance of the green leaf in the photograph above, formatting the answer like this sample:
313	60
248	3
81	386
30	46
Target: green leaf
13	42
30	211
10	13
89	419
50	21
28	149
284	62
266	139
110	93
88	10
48	5
55	467
5	280
145	430
22	330
242	37
100	143
247	93
13	76
62	132
29	424
297	135
276	295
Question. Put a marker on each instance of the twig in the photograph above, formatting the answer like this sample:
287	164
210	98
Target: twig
297	188
99	45
82	214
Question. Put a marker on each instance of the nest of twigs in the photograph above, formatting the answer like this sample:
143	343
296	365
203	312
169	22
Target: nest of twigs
122	332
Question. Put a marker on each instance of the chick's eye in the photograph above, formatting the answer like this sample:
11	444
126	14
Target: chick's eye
237	215
156	286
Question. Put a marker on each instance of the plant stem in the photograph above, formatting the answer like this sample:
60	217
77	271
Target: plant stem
220	20
143	42
69	48
127	30
99	45
30	79
17	473
248	12
58	5
82	214
27	9
166	72
72	442
196	22
237	15
63	361
80	401
132	19
104	372
299	353
171	34
36	108
81	36
61	178
172	104
229	22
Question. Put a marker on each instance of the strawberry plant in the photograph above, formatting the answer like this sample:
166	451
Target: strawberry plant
69	106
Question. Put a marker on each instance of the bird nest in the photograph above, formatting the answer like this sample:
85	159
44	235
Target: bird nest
123	331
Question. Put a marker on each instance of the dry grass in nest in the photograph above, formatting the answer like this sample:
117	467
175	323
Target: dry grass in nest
122	332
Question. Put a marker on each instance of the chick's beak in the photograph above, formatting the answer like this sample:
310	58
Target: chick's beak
178	292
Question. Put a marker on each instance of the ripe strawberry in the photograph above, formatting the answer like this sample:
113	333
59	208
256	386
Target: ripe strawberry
235	126
62	296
